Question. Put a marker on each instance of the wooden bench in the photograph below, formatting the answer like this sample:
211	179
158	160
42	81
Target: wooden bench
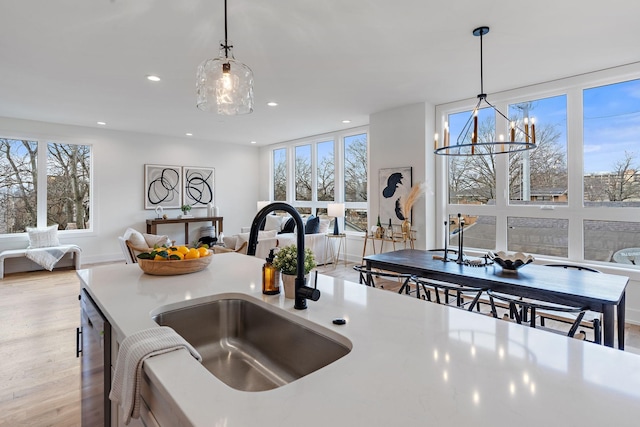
18	253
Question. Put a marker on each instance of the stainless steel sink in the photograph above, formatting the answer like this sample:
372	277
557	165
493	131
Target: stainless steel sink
251	347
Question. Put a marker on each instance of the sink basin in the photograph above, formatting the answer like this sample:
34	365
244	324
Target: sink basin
250	346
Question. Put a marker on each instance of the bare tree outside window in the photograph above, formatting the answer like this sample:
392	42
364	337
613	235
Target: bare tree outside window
355	181
355	168
303	173
536	176
325	171
68	178
68	185
18	185
280	174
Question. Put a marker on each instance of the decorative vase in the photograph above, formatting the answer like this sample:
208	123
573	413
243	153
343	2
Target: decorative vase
406	229
289	284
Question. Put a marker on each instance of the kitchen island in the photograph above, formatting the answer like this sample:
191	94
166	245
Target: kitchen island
412	363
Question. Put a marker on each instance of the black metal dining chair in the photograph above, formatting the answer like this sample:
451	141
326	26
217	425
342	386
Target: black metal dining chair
525	312
428	285
369	277
449	293
591	319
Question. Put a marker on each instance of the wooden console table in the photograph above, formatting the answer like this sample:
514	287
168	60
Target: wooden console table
152	224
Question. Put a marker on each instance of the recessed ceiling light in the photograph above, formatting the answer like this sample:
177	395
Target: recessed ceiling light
189	134
346	121
102	123
253	142
272	104
153	78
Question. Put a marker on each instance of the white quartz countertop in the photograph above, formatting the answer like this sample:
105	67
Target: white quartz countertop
413	363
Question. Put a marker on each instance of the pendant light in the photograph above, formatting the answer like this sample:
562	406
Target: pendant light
468	143
224	85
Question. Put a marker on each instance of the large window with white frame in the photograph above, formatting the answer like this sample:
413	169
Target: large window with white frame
577	195
311	172
44	183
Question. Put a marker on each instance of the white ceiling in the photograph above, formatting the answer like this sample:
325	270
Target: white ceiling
82	61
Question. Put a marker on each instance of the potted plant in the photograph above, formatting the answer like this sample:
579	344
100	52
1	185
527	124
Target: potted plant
185	211
286	260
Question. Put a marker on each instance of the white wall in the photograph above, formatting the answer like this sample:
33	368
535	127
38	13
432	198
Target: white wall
118	181
397	138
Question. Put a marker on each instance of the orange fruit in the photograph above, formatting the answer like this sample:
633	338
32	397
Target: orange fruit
203	251
192	254
183	249
159	258
175	254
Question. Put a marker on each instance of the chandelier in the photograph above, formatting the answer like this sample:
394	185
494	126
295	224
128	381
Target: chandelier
468	143
224	85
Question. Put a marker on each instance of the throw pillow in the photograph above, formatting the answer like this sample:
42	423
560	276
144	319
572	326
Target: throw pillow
154	239
43	237
313	225
244	237
135	238
324	226
273	222
289	226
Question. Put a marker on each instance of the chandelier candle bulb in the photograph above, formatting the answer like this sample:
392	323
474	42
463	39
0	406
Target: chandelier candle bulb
446	134
533	131
513	131
474	137
435	141
501	139
526	129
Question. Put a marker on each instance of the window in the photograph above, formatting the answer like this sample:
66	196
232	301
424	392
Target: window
66	199
303	172
325	176
611	122
540	176
326	169
355	181
562	199
472	179
279	174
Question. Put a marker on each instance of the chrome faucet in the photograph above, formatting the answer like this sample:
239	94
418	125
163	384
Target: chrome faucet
303	292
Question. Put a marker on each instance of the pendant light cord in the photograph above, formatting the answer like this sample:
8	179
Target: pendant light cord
226	43
481	66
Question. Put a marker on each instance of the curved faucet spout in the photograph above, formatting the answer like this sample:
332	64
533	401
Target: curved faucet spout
303	292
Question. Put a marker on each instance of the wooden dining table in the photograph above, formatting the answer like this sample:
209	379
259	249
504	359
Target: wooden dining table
602	293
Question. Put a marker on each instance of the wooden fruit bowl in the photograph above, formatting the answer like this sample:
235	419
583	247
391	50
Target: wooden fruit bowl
175	267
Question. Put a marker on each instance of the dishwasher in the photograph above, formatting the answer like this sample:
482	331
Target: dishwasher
93	346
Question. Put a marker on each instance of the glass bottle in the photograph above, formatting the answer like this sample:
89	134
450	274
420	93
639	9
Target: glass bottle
270	276
390	230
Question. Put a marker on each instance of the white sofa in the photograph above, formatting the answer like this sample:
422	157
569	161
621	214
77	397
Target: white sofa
272	237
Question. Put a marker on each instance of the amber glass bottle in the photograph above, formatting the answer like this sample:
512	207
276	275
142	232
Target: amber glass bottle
270	277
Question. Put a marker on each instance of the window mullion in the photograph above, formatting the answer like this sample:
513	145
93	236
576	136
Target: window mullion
575	168
42	184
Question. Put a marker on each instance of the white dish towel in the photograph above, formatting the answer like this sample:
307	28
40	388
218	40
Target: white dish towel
125	388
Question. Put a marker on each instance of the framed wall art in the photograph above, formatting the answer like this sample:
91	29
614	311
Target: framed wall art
198	186
162	186
394	183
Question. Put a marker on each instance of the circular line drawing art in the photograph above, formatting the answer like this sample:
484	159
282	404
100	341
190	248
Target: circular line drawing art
198	187
163	186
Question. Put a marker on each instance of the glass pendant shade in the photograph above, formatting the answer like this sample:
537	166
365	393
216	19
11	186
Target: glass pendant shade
224	85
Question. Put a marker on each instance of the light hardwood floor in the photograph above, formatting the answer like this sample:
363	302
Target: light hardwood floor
39	371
